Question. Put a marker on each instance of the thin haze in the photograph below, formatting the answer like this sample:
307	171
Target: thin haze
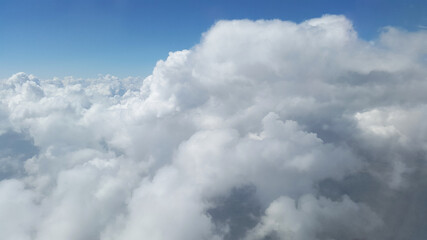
265	129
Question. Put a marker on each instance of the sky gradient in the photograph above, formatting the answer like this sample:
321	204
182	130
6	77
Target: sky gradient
126	37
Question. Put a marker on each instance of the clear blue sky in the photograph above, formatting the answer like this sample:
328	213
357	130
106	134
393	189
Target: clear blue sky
84	38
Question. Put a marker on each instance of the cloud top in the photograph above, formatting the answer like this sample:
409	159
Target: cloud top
266	129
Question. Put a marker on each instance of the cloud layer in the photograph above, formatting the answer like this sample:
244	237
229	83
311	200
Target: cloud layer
264	130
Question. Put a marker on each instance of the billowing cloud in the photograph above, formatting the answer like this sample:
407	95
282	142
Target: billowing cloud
264	130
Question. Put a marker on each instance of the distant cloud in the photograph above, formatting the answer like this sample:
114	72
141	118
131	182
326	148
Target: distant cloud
264	130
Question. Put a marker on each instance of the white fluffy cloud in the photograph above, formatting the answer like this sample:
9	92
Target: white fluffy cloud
324	127
287	218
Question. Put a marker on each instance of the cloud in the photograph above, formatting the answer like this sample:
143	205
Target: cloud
287	218
266	129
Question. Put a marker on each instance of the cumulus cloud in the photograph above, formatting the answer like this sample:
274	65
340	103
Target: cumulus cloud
266	129
287	218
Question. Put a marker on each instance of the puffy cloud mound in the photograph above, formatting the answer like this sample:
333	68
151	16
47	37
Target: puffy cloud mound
264	130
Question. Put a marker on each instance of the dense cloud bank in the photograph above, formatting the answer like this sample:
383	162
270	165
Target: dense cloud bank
265	130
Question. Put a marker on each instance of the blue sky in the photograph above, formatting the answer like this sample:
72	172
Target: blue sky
126	37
